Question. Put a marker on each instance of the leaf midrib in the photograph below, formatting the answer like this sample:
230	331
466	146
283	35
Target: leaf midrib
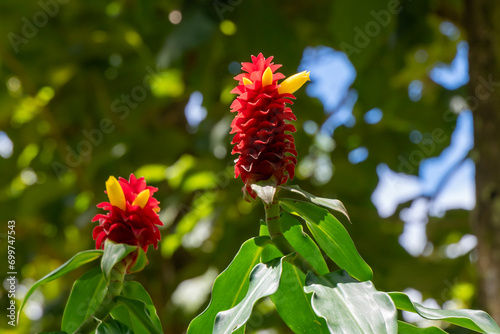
247	273
249	297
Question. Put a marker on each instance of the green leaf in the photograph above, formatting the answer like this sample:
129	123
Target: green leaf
113	327
231	285
75	262
134	290
333	204
140	262
332	237
264	281
294	306
302	243
86	295
472	319
350	306
114	253
139	310
405	328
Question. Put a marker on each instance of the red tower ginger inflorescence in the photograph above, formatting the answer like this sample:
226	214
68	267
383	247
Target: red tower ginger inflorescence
262	136
133	214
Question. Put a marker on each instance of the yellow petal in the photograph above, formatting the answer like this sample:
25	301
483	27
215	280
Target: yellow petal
142	199
115	193
247	81
267	77
293	83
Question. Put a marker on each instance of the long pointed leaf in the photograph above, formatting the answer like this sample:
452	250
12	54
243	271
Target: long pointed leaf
264	281
405	328
134	290
139	310
294	306
333	204
332	237
75	262
86	295
231	285
349	306
472	319
302	243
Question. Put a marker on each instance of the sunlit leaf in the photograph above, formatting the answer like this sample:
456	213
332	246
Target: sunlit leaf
329	203
472	319
264	281
405	328
294	306
302	243
231	285
350	306
332	237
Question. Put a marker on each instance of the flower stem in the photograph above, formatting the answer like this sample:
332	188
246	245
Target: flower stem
115	288
279	240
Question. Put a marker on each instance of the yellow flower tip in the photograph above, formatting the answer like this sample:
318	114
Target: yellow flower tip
247	81
293	83
267	77
115	193
142	199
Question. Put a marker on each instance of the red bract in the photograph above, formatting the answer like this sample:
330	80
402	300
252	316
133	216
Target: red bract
265	149
132	218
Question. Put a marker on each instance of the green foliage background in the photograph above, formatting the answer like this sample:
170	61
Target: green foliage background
72	83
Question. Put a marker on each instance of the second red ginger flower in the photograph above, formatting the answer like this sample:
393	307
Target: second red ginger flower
266	150
133	214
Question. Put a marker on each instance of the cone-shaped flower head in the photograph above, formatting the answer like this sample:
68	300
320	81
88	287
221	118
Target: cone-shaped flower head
265	147
133	214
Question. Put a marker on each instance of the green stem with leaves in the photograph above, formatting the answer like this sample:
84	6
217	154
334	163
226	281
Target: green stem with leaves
274	226
115	288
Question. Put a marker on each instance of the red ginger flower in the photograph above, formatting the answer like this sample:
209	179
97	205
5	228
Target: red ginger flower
132	218
265	149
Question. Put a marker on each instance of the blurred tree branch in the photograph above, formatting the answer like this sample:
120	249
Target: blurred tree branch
483	29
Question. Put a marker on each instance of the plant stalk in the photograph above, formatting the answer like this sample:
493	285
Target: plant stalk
274	226
115	288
